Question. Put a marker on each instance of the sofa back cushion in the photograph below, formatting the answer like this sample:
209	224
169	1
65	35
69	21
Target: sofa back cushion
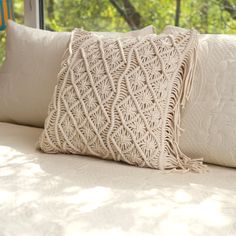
29	74
209	117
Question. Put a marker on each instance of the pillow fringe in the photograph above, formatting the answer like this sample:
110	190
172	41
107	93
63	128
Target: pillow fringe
173	130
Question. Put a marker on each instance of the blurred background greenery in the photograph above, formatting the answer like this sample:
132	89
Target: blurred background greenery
212	16
19	16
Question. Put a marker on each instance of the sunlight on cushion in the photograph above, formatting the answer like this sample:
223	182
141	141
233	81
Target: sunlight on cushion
89	199
182	196
23	197
7	154
6	171
10	158
210	211
19	197
5	196
76	229
30	169
180	209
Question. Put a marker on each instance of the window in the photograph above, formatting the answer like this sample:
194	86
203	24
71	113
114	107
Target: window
213	16
19	17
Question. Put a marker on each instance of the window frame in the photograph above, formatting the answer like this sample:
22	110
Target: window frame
34	13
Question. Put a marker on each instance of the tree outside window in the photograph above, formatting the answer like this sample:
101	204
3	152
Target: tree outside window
212	16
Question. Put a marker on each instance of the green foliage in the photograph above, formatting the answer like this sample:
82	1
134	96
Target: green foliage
92	15
208	16
18	12
101	15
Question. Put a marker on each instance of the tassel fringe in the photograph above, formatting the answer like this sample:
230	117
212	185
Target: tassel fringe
177	160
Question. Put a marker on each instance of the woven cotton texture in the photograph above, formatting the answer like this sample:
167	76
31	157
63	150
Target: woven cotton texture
120	99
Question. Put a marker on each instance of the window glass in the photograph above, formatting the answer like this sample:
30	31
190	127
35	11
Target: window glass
212	16
19	17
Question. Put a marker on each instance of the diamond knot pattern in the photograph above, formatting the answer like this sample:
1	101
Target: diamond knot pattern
116	98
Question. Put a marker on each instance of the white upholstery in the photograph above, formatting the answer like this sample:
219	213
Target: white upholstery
210	115
65	195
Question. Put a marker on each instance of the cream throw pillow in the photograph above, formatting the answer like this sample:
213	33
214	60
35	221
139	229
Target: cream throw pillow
210	115
119	99
29	74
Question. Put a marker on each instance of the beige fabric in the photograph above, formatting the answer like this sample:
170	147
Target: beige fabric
29	74
59	195
119	99
210	115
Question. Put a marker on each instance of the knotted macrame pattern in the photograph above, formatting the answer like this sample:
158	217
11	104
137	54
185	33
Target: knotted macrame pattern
120	99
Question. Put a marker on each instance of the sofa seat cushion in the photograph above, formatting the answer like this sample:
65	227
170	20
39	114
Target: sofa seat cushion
58	194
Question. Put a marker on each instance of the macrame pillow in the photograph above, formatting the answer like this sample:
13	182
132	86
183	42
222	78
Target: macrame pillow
120	99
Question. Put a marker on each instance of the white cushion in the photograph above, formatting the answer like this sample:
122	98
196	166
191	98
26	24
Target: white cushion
209	119
29	74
